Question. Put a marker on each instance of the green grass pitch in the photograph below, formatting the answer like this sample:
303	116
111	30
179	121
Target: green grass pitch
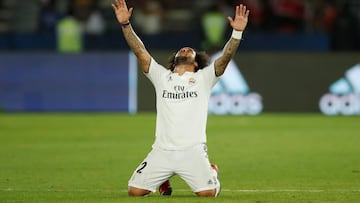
262	159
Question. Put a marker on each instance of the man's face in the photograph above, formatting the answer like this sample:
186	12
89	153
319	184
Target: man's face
186	52
185	55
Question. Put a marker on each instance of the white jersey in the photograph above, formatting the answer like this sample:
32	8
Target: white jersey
182	105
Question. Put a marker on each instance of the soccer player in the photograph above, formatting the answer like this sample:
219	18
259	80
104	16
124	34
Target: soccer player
182	96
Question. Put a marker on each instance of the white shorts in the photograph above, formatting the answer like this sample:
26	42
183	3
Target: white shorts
192	165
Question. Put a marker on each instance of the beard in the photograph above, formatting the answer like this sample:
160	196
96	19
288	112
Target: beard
183	60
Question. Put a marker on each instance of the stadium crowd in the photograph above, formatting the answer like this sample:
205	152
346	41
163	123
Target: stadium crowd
340	19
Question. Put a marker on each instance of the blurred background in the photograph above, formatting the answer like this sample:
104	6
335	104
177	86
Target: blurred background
32	24
291	52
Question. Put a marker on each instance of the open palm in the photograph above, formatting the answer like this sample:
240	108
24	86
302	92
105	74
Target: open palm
122	12
241	18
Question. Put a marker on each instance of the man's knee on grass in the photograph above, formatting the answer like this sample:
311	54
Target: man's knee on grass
133	191
207	193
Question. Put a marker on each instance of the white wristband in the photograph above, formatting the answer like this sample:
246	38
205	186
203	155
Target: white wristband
236	34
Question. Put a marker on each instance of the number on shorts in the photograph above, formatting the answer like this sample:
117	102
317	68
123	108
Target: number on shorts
143	165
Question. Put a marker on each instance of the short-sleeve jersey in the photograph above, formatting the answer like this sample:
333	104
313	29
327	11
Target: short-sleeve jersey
182	105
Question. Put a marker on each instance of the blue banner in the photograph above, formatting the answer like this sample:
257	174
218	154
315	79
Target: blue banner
67	82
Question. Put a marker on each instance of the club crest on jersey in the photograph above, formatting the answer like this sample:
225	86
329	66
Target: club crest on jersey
192	81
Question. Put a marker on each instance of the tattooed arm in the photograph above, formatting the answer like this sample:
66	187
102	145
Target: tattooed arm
228	52
137	47
238	24
123	15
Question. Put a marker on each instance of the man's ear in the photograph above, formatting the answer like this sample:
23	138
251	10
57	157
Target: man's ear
196	64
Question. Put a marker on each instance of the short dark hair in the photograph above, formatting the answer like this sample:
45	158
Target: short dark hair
202	58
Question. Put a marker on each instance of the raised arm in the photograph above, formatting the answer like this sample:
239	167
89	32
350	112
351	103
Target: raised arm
123	15
238	24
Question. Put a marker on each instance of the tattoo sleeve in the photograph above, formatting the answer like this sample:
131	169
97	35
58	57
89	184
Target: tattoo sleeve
138	47
228	52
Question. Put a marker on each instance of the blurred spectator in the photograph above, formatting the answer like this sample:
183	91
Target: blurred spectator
330	13
95	24
320	15
259	13
88	14
81	9
214	24
149	18
69	34
288	15
49	16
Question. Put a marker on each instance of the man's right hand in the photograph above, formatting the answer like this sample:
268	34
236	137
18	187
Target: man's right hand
122	12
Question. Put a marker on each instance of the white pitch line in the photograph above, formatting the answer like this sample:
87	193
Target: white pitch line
272	190
184	190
